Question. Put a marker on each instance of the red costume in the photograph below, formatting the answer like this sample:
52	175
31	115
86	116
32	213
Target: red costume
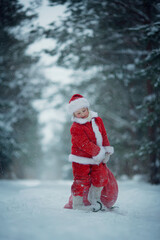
89	145
93	181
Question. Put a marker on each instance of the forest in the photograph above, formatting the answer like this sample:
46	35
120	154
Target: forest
112	49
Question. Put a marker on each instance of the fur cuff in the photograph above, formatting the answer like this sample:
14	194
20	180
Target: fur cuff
109	149
100	156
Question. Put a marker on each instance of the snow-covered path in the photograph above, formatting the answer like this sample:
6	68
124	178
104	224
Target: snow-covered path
33	210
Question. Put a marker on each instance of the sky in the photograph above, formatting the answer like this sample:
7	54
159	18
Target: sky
50	118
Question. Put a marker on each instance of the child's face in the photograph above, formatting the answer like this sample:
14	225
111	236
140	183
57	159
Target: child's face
81	113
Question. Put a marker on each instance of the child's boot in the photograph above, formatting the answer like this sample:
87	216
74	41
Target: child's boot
94	196
78	202
79	205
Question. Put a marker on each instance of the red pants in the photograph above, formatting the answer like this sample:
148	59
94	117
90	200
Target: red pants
85	175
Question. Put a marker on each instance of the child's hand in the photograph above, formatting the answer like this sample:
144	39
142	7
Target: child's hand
107	156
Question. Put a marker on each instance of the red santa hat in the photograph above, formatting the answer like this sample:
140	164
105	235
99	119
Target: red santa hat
76	102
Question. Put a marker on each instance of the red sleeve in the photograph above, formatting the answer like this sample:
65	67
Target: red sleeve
104	135
81	140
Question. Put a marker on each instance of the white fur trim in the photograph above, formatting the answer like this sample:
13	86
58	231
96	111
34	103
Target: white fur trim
77	104
84	120
97	133
100	156
82	160
109	149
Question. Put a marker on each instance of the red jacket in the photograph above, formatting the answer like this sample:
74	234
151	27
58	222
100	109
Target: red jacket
89	140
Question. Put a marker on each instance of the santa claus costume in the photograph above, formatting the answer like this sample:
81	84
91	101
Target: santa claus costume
89	153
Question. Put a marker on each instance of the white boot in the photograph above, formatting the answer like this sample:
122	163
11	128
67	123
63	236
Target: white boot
78	204
94	196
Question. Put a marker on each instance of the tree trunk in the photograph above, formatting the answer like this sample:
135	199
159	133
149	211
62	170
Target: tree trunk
154	168
153	156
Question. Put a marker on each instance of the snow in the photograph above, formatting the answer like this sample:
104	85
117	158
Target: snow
34	210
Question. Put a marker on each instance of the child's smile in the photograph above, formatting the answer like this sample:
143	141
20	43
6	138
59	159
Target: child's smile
81	113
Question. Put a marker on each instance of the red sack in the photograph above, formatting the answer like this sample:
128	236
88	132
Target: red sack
109	193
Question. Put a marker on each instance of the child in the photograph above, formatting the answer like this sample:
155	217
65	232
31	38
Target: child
90	151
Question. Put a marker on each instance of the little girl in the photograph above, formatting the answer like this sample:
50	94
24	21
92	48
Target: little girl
90	151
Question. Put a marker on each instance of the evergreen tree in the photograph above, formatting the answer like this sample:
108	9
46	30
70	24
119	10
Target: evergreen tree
118	42
19	86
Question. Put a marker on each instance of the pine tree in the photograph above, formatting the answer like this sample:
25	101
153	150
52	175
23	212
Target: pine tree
118	39
19	138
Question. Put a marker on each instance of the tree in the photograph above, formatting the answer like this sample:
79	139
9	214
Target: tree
116	40
19	137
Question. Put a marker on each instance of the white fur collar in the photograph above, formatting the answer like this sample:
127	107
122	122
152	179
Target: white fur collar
85	120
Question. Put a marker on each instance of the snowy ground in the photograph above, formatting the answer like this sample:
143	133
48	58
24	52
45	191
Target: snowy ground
33	210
